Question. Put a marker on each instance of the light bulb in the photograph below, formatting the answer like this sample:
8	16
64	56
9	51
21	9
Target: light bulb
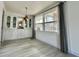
19	24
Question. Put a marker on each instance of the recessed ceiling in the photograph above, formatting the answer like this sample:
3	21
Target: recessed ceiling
33	6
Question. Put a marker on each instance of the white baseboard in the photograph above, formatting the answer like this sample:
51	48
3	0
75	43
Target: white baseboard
74	53
48	43
19	38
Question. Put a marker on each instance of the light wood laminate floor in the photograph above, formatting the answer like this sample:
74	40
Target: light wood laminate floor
29	48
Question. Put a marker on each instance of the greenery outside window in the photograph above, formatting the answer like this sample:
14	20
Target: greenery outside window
8	21
29	22
14	22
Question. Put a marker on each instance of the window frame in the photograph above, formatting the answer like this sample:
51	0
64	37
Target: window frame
44	17
42	23
14	22
30	23
8	21
48	22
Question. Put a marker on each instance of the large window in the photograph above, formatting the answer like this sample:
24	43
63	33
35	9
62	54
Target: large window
48	21
14	22
8	21
39	23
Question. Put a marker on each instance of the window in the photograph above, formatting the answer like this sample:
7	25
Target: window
14	22
8	21
30	23
39	19
49	18
48	21
49	26
39	23
39	27
26	23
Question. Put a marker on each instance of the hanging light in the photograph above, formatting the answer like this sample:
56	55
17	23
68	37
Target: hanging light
26	16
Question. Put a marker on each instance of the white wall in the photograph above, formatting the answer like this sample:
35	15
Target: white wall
48	37
1	12
14	33
72	23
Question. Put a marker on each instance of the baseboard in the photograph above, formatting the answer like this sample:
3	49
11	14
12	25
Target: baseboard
48	44
19	38
24	38
75	53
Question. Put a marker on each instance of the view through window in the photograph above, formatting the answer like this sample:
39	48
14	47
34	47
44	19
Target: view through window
47	21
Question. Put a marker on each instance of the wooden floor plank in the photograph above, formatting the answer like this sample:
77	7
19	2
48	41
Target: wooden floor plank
29	48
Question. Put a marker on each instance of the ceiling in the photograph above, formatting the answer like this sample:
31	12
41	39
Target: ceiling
33	6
